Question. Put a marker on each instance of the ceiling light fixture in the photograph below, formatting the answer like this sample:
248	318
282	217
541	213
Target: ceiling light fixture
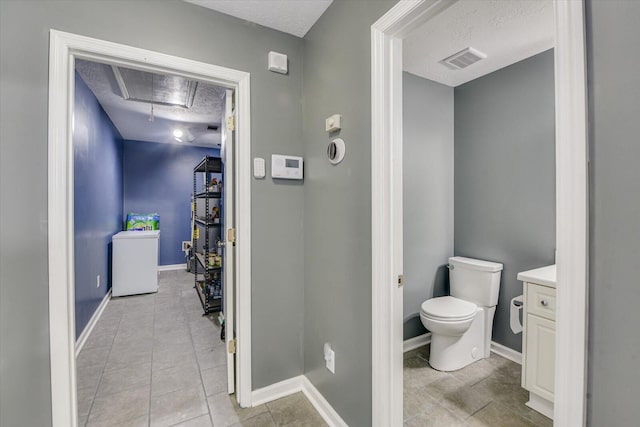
177	133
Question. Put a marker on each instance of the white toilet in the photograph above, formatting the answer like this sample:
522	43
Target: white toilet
461	324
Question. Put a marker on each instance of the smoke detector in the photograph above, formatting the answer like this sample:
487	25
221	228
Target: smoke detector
463	59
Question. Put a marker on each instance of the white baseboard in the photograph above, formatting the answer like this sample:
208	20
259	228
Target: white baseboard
540	404
323	407
295	385
276	391
172	267
82	339
506	352
415	342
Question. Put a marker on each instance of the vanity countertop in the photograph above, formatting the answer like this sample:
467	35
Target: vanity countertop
543	276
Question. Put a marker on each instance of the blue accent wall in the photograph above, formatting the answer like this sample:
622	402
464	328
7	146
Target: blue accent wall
97	151
159	178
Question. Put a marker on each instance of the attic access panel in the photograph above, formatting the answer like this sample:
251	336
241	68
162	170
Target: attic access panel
159	89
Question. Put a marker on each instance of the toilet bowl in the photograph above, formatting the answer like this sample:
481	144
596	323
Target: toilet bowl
447	315
456	332
460	324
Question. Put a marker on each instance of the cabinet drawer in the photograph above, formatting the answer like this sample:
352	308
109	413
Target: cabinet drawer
541	301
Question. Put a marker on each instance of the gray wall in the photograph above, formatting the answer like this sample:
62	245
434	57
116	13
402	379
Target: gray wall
175	28
427	192
337	206
614	109
335	194
505	175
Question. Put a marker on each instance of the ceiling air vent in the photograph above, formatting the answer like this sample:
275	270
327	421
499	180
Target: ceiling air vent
151	88
463	59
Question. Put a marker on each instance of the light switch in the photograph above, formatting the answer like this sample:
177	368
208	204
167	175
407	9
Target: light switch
258	168
333	123
330	358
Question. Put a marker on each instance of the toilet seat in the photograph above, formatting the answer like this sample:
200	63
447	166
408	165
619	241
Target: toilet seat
448	309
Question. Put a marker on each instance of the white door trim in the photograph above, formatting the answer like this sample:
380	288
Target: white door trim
572	215
229	279
571	209
64	48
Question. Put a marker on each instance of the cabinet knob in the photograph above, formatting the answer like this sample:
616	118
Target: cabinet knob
544	302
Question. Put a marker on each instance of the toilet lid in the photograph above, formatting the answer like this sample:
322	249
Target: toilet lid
449	308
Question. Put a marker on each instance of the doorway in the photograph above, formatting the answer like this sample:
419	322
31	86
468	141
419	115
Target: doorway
571	208
64	50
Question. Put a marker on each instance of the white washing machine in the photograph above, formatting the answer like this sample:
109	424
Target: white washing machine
135	262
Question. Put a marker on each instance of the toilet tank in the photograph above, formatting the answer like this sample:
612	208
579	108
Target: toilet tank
475	280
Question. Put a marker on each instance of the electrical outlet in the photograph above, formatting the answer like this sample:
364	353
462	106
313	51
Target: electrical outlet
98	281
330	358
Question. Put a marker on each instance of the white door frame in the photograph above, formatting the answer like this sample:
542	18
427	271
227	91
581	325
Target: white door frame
64	49
571	207
228	156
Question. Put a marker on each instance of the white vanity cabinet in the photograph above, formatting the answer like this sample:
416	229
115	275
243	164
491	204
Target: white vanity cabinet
539	337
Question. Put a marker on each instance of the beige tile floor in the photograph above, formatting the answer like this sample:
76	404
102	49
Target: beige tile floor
485	393
154	360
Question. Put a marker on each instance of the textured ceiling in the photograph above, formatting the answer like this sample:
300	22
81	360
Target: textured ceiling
290	16
506	31
131	117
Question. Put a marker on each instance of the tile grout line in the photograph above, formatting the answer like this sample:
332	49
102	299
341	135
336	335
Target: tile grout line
182	300
206	399
184	311
197	416
95	393
510	408
153	337
419	356
475	412
156	304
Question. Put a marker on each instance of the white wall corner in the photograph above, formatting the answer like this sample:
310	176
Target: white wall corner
276	390
294	385
506	352
321	404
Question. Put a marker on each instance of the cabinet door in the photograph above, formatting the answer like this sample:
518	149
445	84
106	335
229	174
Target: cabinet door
541	353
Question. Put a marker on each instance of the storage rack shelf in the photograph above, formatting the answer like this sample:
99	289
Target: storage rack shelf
211	194
201	259
202	221
207	231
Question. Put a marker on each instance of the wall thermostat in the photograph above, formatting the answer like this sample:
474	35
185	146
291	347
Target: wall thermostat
286	167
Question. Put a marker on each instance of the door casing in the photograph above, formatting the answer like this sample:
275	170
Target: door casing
64	49
571	207
229	307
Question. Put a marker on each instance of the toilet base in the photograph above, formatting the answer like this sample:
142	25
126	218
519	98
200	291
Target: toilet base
453	353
